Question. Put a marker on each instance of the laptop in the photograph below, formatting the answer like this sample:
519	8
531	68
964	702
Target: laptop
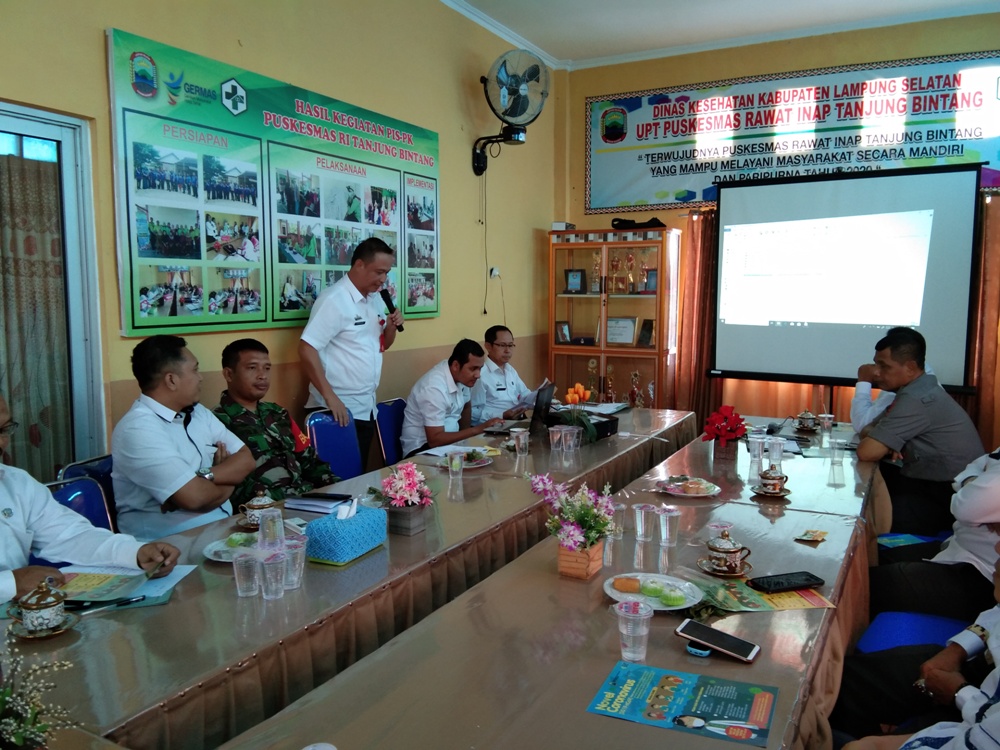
543	405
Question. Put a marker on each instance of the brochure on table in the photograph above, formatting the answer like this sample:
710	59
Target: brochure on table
695	704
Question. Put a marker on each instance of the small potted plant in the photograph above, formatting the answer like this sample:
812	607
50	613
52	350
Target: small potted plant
580	521
725	427
404	496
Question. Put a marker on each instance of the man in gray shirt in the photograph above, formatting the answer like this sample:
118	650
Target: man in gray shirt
925	428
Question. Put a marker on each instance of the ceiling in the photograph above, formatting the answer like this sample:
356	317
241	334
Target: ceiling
573	34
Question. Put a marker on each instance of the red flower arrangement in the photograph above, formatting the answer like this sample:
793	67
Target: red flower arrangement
724	425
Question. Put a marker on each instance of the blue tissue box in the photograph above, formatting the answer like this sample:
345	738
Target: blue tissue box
336	542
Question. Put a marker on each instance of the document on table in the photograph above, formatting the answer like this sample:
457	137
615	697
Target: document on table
108	582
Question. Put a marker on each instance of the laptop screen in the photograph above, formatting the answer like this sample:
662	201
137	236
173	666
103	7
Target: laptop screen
543	405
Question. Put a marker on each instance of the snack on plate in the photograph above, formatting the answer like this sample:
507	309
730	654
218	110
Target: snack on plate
627	585
472	456
241	539
651	588
696	487
672	597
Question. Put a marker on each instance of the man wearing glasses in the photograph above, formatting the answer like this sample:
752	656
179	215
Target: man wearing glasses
500	392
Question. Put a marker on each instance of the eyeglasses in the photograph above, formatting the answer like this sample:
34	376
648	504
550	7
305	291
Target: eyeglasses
8	429
504	346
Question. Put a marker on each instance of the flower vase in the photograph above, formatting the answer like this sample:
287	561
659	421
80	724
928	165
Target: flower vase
584	563
406	520
725	452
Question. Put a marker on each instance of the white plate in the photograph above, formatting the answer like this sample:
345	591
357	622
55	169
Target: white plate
692	594
220	551
677	491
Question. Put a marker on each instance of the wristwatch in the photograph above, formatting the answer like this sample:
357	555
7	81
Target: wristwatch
206	474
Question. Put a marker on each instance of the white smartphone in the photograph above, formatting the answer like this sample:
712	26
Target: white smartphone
718	641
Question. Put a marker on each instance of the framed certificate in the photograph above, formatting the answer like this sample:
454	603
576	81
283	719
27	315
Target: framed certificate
651	280
622	331
576	281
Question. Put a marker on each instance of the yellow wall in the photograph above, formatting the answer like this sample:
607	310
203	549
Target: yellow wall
415	60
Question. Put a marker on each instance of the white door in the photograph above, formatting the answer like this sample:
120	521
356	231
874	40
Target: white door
50	363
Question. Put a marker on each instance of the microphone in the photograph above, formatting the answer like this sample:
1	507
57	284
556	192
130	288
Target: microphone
387	298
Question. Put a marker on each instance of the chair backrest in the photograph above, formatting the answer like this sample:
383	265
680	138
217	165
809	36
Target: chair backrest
99	469
83	495
336	445
389	421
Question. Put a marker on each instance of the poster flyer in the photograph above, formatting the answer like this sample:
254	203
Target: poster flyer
241	198
695	704
672	147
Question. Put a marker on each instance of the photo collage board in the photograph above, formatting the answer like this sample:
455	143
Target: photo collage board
241	198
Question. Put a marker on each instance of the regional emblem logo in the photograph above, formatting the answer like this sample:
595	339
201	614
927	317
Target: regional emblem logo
143	74
614	125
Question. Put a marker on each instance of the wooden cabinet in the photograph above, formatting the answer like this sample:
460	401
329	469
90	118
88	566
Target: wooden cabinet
613	312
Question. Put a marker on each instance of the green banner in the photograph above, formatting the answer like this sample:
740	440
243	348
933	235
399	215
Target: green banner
240	198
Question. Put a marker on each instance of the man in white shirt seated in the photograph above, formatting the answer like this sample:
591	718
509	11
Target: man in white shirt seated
31	521
438	409
500	392
174	463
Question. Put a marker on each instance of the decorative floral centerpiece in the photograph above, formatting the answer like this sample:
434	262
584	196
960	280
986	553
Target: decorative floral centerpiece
724	425
578	520
405	486
25	720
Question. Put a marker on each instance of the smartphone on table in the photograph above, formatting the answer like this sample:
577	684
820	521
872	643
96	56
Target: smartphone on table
785	582
718	641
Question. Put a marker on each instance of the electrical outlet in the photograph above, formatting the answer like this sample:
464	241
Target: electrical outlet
494	272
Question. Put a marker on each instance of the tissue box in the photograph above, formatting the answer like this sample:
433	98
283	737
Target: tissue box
337	542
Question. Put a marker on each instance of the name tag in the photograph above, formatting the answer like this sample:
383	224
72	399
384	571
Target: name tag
358	320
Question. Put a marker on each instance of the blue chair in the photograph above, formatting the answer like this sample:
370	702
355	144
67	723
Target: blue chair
98	468
389	422
892	629
336	445
84	496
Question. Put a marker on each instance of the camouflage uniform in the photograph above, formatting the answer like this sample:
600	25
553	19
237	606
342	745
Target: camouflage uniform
273	439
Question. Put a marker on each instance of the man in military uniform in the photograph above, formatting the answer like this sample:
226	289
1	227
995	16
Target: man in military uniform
286	464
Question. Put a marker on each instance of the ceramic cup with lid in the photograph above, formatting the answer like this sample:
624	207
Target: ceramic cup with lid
42	608
725	554
806	420
772	481
255	507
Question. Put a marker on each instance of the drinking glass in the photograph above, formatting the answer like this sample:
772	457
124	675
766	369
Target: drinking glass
245	570
271	536
633	629
274	575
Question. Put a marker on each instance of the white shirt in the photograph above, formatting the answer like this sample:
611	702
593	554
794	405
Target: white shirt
974	505
345	327
31	521
435	401
498	389
153	456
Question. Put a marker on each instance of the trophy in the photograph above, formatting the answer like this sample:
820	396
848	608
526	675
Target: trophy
616	264
609	396
595	279
630	266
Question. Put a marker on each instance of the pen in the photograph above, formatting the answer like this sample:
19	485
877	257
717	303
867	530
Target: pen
112	605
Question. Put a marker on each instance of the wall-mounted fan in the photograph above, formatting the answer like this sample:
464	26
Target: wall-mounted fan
516	88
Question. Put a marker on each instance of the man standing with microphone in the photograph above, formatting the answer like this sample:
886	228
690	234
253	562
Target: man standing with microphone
341	346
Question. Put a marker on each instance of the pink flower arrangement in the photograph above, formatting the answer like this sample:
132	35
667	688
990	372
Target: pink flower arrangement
724	425
578	520
404	486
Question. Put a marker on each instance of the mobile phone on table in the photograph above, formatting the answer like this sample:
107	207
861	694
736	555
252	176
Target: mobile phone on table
718	641
786	582
327	495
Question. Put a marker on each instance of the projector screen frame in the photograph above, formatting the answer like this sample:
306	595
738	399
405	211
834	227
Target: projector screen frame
966	387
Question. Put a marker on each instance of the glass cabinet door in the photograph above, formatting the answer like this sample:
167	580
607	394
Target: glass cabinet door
576	285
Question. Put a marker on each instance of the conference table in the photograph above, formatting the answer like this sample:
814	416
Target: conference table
516	660
210	665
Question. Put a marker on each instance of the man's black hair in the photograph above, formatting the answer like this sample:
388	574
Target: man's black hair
231	354
463	350
153	357
492	331
904	344
368	249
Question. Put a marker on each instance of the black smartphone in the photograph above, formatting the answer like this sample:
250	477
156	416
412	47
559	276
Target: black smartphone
786	582
327	495
718	641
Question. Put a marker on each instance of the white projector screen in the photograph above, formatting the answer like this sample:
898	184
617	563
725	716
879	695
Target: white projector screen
812	271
